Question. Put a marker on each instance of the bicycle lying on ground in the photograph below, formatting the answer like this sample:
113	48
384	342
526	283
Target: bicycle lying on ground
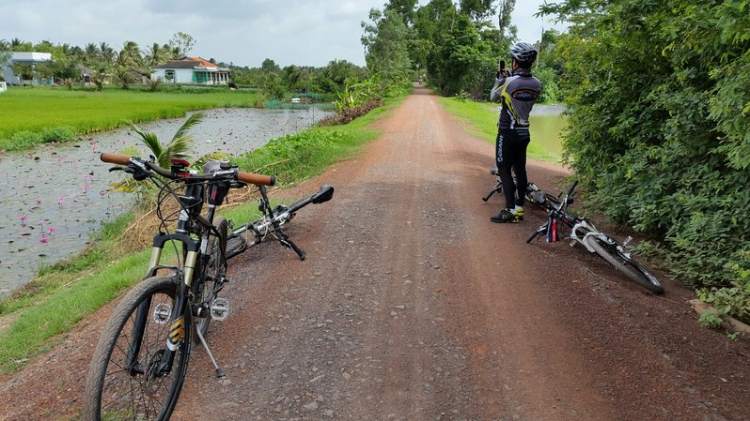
140	362
584	232
531	188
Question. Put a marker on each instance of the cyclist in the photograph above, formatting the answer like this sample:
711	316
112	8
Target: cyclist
517	90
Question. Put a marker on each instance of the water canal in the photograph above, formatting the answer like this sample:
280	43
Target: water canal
55	197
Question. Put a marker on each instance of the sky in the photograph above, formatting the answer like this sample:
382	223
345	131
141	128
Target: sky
241	32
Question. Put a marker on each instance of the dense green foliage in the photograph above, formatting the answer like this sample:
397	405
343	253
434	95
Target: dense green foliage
659	96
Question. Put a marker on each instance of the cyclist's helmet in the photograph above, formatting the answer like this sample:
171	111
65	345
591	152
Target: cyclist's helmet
524	53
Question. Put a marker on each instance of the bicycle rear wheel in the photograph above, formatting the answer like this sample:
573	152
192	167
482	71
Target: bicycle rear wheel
608	250
130	387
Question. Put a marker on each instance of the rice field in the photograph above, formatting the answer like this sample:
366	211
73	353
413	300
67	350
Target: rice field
36	115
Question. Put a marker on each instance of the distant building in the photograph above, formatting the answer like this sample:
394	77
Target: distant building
31	58
193	70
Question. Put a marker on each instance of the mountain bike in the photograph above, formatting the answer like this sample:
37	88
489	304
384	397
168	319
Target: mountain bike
140	362
582	231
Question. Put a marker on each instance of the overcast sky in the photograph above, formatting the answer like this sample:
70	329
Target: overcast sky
243	32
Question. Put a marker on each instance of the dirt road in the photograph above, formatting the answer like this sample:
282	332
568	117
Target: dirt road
413	306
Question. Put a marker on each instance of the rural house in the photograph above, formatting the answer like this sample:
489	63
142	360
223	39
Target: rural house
191	70
30	58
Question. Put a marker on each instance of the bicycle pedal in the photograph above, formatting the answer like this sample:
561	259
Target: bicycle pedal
162	314
220	309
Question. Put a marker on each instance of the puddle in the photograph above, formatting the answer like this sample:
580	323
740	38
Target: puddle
53	198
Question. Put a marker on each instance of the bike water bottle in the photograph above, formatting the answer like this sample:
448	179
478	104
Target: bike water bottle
554	230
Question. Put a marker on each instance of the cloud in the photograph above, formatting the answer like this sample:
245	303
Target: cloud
244	32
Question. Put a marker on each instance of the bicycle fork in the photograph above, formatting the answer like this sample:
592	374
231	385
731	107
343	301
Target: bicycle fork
179	317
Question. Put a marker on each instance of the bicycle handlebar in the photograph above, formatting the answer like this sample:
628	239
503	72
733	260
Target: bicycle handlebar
572	187
246	177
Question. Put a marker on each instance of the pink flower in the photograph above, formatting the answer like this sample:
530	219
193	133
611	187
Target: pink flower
44	240
38	201
42	222
23	220
52	229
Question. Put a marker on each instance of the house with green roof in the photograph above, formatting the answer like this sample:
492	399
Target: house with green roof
191	70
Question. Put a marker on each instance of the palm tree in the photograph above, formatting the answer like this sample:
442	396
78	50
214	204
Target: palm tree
91	53
108	53
130	55
123	75
155	55
177	148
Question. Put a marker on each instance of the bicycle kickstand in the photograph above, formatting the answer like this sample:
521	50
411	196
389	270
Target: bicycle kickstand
286	242
497	189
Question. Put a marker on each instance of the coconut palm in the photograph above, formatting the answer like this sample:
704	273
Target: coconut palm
91	53
108	53
177	148
156	55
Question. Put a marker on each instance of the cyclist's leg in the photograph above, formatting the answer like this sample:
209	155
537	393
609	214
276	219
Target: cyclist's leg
504	166
520	142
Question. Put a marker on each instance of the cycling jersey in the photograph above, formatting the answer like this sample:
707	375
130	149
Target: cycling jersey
517	94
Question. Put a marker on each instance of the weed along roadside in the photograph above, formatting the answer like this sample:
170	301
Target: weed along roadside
32	318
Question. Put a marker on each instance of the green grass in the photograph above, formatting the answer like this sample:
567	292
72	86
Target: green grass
480	120
29	116
63	294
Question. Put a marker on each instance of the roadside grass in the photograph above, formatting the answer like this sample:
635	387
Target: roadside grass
42	115
480	120
61	295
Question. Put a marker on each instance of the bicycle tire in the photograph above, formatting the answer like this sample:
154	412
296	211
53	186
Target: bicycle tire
213	277
236	245
116	392
607	250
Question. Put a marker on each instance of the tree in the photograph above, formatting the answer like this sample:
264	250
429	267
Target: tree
386	43
405	8
66	71
182	43
292	75
107	53
130	55
269	66
479	9
155	55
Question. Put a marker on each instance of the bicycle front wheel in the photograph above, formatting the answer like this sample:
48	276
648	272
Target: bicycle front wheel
608	250
213	277
126	380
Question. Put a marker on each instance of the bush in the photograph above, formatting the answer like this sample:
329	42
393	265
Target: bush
658	130
59	134
346	115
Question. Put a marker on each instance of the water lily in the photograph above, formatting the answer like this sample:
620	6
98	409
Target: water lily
23	220
44	240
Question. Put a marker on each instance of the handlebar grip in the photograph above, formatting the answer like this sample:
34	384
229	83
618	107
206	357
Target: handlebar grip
572	187
259	179
114	158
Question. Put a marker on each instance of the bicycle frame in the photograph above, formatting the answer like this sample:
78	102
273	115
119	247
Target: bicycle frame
191	249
